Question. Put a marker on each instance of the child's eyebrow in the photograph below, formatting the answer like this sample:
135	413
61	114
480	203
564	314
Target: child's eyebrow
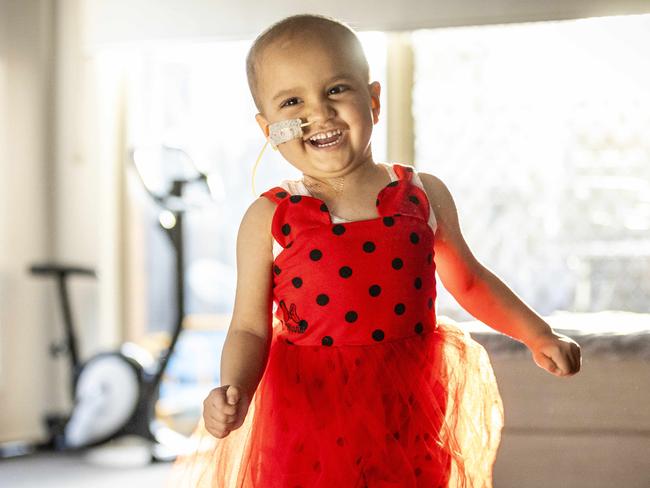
340	76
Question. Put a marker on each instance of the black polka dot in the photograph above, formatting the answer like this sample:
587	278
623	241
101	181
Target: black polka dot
388	221
286	229
378	335
290	244
338	229
369	246
418	283
323	207
295	198
322	299
429	258
303	325
414	238
418	328
281	194
327	341
393	183
417	471
400	308
276	269
374	290
414	199
315	254
397	263
351	316
430	302
297	282
345	272
377	203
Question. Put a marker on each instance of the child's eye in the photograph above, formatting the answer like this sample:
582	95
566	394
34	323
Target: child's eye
287	103
338	89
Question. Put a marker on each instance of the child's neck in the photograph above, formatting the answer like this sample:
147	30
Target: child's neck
322	185
336	185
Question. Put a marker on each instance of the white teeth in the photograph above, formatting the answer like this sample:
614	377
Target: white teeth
325	135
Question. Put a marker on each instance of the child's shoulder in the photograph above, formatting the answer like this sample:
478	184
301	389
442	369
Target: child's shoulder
433	186
438	194
261	210
257	219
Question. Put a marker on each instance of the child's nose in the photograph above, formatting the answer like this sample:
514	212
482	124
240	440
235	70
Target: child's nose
321	111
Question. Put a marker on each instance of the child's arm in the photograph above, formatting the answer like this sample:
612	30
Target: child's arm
246	348
485	296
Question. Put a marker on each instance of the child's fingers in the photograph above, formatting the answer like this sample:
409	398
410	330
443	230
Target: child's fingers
560	357
570	355
215	399
573	353
233	395
219	428
571	360
562	362
553	362
222	418
577	356
545	362
223	410
216	407
229	410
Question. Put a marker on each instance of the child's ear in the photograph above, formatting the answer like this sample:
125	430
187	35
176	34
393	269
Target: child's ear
263	123
375	90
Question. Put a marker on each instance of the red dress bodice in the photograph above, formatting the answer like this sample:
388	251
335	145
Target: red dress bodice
358	282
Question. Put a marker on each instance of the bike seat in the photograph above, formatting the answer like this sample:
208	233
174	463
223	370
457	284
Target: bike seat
60	270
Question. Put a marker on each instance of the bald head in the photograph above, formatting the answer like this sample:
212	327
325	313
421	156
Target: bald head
303	28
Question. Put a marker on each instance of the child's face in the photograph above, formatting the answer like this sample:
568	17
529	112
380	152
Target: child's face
318	83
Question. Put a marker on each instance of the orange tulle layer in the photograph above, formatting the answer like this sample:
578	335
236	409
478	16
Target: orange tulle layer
422	411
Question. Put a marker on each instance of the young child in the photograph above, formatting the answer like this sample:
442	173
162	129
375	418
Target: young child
352	381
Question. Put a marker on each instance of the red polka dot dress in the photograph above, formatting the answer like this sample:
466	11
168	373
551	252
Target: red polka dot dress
364	387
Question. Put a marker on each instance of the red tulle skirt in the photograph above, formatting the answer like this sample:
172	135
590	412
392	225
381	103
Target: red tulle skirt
422	411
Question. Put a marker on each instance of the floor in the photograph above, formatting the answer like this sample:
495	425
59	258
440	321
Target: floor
54	470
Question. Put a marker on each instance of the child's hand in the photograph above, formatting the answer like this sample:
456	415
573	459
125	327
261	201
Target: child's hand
556	353
224	410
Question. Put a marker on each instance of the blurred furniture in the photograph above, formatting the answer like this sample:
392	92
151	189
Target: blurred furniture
589	430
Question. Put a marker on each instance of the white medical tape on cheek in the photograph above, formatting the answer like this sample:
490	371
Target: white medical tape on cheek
286	130
277	133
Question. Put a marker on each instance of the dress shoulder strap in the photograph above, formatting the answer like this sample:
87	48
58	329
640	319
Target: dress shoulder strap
403	171
275	194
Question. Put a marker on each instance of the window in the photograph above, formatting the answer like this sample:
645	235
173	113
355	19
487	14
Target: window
540	132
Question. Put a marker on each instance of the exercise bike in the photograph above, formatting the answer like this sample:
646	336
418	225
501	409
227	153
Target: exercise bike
114	393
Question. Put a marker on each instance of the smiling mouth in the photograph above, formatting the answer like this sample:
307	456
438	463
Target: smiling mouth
329	139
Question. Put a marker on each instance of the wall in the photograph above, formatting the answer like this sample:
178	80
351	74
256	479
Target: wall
26	218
